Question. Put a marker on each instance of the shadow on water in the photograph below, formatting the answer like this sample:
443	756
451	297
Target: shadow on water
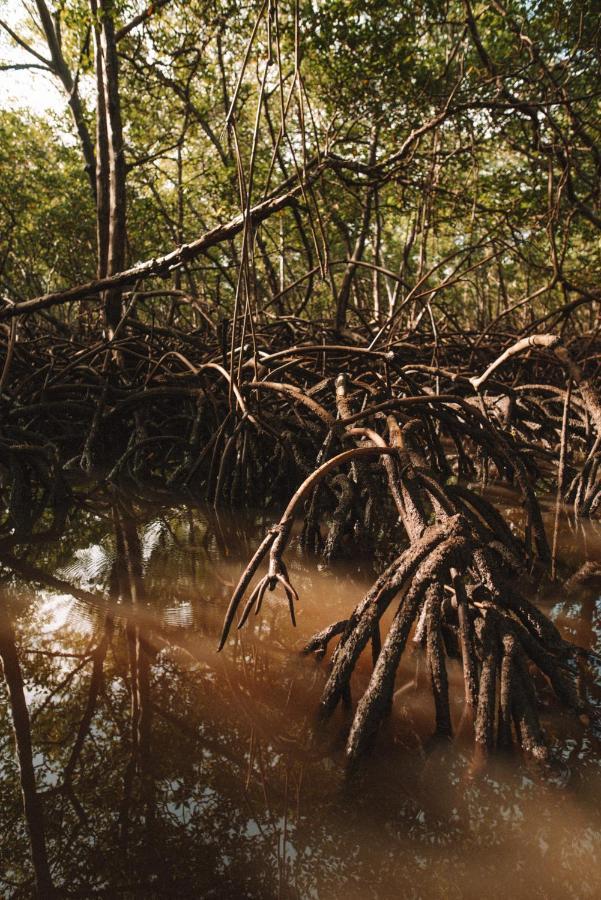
137	762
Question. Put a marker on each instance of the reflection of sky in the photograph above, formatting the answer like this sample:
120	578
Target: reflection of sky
150	538
56	613
89	567
53	612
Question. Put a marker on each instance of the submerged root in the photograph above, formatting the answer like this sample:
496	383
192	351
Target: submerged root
498	654
455	583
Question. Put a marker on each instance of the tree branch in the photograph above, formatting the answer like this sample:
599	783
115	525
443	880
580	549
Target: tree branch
156	266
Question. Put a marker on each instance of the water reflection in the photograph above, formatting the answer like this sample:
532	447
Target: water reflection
136	762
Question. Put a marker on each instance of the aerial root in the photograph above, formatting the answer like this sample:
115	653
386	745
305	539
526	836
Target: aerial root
498	657
318	644
456	593
379	453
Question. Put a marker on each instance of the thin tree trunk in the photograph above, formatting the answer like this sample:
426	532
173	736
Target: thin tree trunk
69	83
110	165
377	250
344	293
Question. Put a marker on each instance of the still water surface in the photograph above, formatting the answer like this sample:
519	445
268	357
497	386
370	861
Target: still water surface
168	770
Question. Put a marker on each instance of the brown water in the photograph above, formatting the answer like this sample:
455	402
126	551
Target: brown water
199	774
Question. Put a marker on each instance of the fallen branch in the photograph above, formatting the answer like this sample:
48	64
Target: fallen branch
157	266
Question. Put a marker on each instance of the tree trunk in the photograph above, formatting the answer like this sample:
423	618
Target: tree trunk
53	40
349	273
110	161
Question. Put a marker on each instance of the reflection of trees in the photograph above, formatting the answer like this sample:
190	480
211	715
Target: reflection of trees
32	806
135	760
161	769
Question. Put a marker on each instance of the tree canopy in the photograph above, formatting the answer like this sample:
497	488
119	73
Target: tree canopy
448	152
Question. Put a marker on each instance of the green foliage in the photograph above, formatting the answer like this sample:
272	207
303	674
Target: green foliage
370	58
511	170
46	213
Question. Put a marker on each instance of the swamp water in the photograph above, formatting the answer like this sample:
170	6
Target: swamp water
168	770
